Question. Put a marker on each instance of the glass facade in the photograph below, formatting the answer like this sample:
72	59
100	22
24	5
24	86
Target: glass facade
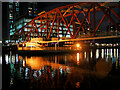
13	14
41	30
15	24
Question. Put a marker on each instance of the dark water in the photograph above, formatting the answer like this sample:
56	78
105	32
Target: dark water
96	68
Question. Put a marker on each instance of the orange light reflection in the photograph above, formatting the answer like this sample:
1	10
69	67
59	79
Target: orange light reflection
78	58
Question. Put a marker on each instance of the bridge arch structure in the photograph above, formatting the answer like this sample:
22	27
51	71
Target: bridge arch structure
77	18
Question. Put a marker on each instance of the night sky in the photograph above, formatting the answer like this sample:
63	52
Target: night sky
5	32
47	6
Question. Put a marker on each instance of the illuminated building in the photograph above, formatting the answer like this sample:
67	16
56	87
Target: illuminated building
20	14
23	21
13	14
24	14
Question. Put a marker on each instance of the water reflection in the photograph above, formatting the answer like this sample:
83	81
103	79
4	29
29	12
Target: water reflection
91	53
0	59
97	53
62	70
102	53
6	59
78	58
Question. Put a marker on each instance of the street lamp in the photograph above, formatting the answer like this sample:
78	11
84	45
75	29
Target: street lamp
78	45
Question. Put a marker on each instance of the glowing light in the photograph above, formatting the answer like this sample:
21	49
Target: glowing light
97	53
23	63
77	84
91	53
11	81
16	58
77	58
78	45
35	75
102	53
41	13
114	52
111	53
13	59
0	59
107	53
117	53
61	71
6	59
85	54
23	44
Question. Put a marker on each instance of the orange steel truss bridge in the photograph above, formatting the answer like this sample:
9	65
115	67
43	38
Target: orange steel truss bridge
77	14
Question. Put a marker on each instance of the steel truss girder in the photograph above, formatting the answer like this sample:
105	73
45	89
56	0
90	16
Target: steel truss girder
61	17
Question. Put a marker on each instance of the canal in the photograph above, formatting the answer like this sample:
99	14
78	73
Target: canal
93	68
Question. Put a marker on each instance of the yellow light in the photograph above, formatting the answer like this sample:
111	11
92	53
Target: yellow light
23	44
78	45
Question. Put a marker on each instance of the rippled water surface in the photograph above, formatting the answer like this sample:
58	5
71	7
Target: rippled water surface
88	69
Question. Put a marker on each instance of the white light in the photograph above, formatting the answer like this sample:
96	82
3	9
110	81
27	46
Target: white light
0	41
6	59
97	53
102	53
85	55
16	58
0	59
26	71
78	45
111	53
91	53
77	58
61	71
117	53
13	59
114	52
107	53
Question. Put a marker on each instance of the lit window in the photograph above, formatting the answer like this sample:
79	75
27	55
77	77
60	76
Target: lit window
71	26
16	4
25	23
17	9
25	29
60	35
30	11
71	29
35	15
60	31
13	29
11	18
30	14
11	21
11	26
11	11
30	8
18	27
64	28
67	35
35	8
10	6
11	33
60	28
